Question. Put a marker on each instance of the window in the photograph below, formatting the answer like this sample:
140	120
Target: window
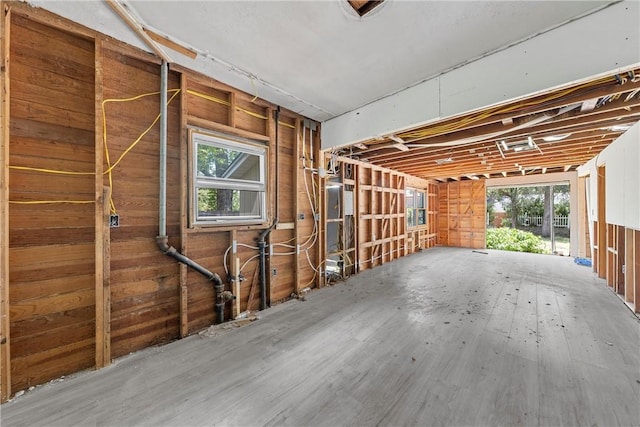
416	208
229	180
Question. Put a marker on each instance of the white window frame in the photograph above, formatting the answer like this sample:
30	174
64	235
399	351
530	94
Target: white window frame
414	208
199	137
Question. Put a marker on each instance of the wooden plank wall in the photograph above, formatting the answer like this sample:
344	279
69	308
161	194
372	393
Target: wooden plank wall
51	256
462	220
281	273
64	78
144	282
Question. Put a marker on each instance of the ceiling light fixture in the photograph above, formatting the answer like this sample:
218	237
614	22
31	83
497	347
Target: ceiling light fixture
620	128
518	146
554	138
443	161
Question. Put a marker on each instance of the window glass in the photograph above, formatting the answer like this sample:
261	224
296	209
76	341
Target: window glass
229	181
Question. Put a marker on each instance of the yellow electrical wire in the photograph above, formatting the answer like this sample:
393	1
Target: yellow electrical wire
110	166
42	202
227	103
61	172
450	127
286	124
208	97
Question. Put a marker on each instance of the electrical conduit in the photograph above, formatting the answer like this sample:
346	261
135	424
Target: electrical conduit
162	239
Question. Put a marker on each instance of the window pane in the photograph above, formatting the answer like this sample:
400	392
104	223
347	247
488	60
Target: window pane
411	221
219	202
419	200
422	216
227	163
409	198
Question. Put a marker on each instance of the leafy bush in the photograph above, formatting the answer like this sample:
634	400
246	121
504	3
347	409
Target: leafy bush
511	239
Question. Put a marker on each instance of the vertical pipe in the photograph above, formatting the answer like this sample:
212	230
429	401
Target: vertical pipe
162	231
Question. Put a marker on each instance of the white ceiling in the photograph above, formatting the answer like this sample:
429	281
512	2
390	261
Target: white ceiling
318	57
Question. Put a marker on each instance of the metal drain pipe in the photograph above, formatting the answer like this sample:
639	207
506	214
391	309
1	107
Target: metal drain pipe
162	239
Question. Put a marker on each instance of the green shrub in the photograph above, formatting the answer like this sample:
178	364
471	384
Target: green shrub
511	239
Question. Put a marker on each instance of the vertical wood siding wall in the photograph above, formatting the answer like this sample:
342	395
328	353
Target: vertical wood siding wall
51	256
462	217
60	73
144	283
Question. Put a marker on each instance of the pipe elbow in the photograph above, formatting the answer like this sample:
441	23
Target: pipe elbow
265	233
215	278
163	244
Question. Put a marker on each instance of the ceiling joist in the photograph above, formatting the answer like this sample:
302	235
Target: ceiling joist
568	127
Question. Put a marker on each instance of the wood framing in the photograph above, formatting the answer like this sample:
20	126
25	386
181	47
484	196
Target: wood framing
184	205
632	272
602	224
5	336
375	231
102	256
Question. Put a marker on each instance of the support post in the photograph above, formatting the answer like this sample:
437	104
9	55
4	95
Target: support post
5	354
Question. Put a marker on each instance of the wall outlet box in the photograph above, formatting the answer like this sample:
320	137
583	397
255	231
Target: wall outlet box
114	220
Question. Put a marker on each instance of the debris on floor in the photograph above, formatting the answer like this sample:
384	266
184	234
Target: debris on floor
223	328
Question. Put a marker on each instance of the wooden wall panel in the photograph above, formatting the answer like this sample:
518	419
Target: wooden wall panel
56	269
52	245
144	282
462	208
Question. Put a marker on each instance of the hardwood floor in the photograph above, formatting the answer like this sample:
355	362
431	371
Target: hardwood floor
443	337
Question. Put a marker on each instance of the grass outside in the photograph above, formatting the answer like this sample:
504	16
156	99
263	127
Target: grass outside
562	245
561	241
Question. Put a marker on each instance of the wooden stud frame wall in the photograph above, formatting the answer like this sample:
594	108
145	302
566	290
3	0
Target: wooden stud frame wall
379	217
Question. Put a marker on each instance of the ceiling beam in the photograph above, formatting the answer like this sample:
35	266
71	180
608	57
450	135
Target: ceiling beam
137	28
616	109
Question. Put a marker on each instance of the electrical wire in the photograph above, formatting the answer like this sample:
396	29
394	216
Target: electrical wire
466	121
111	167
247	262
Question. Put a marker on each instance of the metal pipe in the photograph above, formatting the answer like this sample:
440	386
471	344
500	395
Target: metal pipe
163	244
162	239
277	164
164	77
262	245
262	242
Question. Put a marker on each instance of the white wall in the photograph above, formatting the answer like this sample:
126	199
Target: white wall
622	175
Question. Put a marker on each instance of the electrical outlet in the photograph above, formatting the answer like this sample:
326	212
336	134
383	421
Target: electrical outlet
274	272
301	216
114	220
